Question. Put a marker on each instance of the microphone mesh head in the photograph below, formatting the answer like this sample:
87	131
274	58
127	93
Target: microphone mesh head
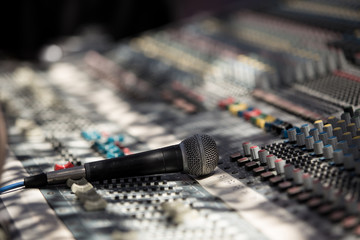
200	154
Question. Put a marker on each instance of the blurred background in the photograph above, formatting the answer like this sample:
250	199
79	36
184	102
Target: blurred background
28	25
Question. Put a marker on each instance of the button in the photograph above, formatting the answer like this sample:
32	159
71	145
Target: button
90	135
276	180
235	156
258	170
303	197
224	103
350	222
309	142
337	216
325	209
252	113
251	165
115	138
266	175
270	118
260	122
254	152
293	191
284	185
314	202
237	107
243	161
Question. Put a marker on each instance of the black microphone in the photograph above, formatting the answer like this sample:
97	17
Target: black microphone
196	155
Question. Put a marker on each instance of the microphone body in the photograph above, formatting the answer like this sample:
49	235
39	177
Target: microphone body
164	160
196	155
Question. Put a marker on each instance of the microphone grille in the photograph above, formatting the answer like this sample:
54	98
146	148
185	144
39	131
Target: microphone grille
200	154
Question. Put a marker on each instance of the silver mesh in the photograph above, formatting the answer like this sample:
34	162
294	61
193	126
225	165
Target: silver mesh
200	155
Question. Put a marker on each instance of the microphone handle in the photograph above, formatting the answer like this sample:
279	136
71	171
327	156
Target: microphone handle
164	160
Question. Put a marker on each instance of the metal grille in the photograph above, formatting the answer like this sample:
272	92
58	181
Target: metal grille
201	154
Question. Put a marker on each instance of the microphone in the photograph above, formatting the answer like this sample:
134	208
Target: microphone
196	155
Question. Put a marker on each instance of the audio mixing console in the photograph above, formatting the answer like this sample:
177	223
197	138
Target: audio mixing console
278	88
